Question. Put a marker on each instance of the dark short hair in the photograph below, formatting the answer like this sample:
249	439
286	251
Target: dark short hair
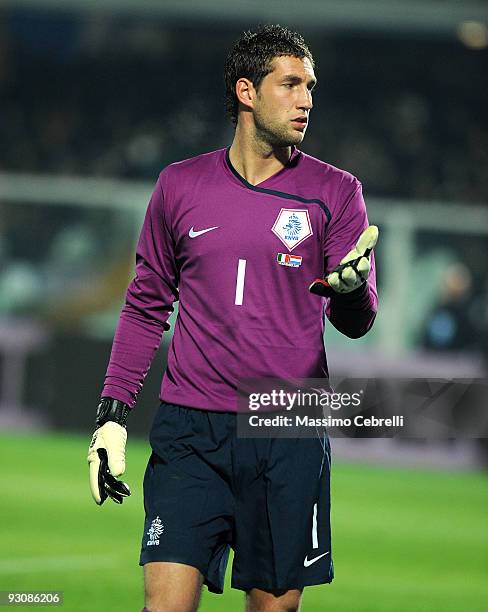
252	56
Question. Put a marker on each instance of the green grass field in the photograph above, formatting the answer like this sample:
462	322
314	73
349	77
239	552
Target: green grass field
404	540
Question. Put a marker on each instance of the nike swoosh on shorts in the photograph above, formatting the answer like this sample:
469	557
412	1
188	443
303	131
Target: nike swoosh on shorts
307	562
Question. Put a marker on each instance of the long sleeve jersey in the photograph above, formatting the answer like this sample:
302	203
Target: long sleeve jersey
239	258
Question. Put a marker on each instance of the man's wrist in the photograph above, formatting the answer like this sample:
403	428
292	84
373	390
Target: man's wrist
110	409
353	296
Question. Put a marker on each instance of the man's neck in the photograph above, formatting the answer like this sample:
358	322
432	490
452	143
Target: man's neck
257	161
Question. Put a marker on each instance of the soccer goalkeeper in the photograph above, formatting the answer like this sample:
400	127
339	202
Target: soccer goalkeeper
238	236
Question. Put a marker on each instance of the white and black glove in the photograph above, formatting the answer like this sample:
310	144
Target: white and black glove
106	454
353	269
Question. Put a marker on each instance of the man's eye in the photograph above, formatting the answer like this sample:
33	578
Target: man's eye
289	85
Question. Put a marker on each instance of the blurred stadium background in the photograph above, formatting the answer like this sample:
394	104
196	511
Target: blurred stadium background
95	98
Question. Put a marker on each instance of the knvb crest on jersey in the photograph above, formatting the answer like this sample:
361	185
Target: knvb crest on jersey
292	226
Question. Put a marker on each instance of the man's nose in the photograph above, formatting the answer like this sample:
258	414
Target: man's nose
305	101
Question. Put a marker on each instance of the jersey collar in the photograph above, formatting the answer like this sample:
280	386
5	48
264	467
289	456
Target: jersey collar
295	154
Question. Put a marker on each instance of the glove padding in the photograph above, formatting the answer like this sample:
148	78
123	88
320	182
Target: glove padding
106	458
353	269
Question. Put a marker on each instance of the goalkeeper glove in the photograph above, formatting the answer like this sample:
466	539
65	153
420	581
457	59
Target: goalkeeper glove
353	269
106	454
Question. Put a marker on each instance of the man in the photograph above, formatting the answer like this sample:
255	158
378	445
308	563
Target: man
237	236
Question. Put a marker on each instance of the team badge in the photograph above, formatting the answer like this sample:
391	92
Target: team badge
293	261
154	532
292	227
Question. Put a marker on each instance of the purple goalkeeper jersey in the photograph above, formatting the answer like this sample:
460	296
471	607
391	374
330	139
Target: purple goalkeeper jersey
239	258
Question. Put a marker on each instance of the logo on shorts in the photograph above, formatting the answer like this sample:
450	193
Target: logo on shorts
292	226
308	562
155	531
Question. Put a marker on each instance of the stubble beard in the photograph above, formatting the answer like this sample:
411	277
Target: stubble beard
275	135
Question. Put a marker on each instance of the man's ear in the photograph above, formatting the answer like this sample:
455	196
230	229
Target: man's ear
245	92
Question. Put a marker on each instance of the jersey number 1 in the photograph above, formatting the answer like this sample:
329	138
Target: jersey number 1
241	273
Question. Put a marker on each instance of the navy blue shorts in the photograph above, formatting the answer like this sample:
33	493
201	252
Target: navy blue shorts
206	490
